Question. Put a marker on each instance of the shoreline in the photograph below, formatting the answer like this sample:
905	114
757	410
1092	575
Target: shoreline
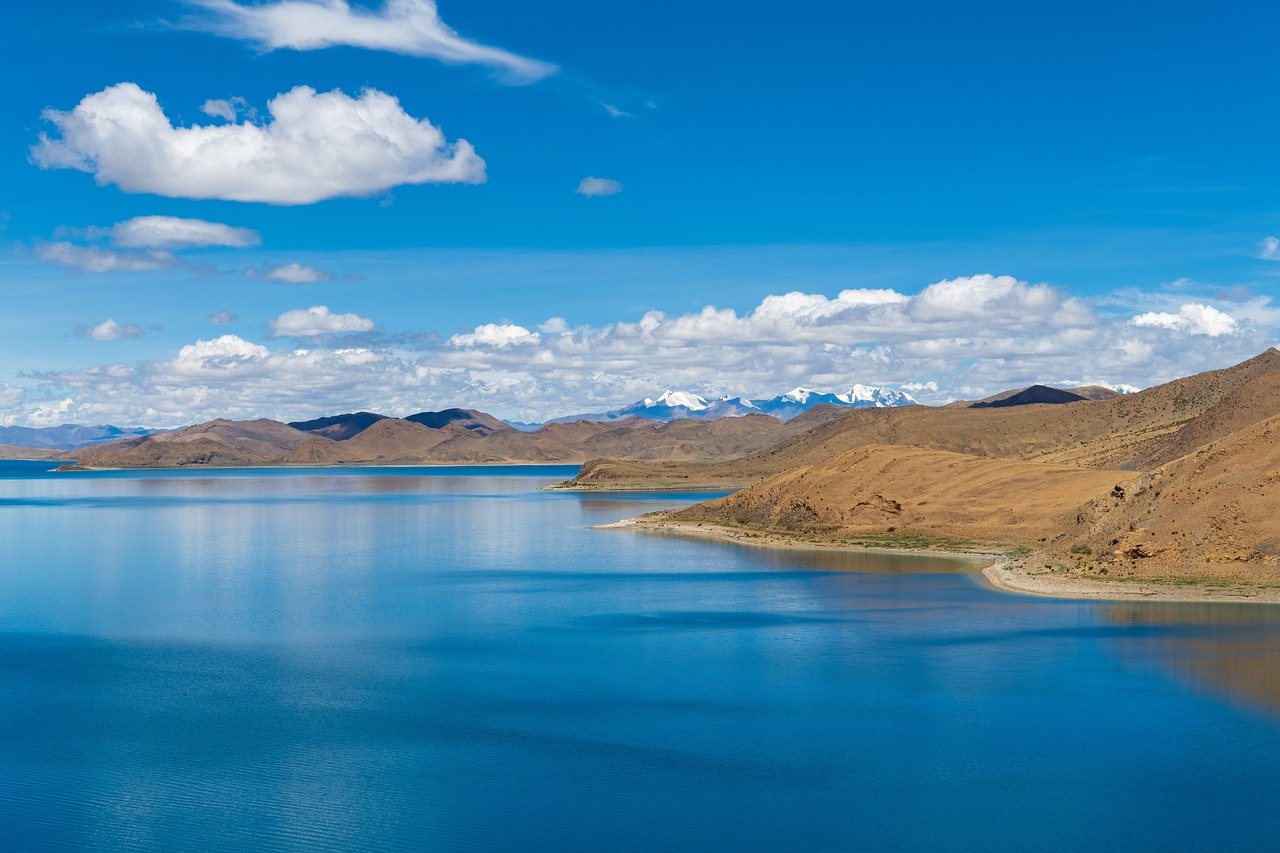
77	469
587	488
714	532
1001	571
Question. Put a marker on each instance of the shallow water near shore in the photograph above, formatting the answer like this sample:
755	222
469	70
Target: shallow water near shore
446	658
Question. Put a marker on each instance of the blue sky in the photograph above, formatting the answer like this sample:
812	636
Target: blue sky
1006	193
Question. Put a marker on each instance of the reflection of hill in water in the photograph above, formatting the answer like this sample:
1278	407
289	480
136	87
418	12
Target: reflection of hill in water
1229	650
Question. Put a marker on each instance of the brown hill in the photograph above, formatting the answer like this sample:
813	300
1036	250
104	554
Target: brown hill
389	441
912	491
1216	508
1248	403
339	427
632	438
1120	432
1206	507
12	452
1031	396
394	441
478	422
1084	392
216	443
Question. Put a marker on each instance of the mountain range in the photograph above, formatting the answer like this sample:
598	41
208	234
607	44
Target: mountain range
1177	483
668	406
463	437
67	436
1181	480
677	405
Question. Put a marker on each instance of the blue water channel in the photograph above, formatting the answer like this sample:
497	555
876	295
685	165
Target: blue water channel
449	659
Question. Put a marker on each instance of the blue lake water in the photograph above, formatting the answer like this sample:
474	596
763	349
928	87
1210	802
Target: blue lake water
447	659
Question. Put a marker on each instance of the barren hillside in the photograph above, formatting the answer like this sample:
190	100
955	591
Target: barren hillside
1120	432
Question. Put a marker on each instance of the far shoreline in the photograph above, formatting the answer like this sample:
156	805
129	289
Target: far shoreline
67	468
1000	571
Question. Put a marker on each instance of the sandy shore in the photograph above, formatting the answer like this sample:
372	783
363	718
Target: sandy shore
1011	577
994	568
762	539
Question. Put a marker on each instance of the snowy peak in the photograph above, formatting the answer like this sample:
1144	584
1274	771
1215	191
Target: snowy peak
796	395
871	396
679	399
800	400
673	405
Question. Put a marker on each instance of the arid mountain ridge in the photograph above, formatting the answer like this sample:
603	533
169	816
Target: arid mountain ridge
456	436
1179	483
1179	480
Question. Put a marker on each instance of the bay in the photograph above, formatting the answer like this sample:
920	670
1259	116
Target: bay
447	659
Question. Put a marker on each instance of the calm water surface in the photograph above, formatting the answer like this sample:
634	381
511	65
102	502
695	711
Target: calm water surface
447	659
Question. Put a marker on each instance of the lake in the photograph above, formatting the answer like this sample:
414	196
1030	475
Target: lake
448	659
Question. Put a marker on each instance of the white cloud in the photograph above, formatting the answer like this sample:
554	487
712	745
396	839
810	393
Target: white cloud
293	273
317	320
172	232
227	353
495	335
316	146
982	297
220	108
554	326
594	187
95	259
1193	318
10	396
411	27
223	318
109	330
1027	333
1270	249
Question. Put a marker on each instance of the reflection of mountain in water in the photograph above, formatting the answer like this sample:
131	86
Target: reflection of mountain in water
1230	650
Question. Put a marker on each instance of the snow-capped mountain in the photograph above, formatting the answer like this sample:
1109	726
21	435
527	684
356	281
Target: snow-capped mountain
678	404
800	400
672	405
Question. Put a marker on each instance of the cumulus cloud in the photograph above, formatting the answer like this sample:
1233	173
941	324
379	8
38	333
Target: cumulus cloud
292	273
411	27
223	318
10	396
1193	318
96	259
219	108
148	241
1027	333
316	146
495	335
172	232
109	330
317	320
594	187
1270	249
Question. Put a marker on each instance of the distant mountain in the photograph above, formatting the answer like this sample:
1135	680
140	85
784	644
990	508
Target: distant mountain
345	427
339	427
800	400
218	442
396	441
67	436
478	422
676	405
1031	396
